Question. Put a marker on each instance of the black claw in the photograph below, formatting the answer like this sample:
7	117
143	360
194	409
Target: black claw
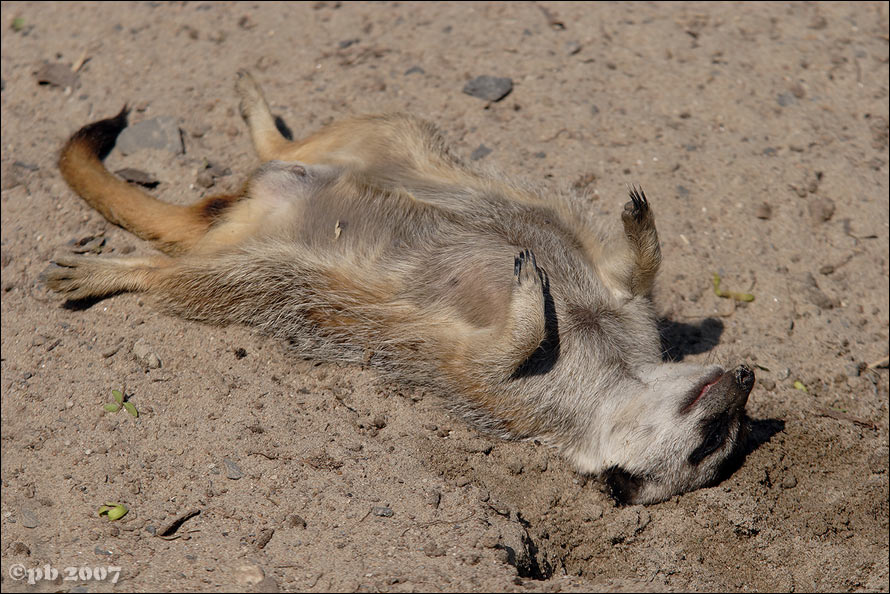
639	203
525	258
638	197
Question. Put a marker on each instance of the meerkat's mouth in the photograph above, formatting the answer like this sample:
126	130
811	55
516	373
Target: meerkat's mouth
701	388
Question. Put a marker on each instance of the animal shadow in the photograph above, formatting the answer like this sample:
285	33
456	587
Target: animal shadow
679	339
760	431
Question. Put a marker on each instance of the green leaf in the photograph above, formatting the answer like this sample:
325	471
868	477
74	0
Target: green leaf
747	297
118	396
111	407
18	23
117	512
800	386
131	409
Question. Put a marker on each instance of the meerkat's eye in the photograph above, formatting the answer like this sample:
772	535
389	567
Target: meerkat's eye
714	431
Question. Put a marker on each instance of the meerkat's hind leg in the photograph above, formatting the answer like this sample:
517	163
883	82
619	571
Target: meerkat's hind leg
268	141
80	277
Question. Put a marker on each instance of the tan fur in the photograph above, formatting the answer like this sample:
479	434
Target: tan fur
371	236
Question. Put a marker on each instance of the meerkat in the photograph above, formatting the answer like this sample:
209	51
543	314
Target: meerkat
370	240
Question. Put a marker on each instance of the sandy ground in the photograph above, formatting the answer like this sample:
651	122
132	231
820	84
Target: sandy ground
760	133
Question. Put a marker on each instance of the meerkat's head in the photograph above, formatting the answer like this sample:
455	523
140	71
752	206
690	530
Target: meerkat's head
677	432
651	429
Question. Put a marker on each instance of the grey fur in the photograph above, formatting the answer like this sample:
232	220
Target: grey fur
530	320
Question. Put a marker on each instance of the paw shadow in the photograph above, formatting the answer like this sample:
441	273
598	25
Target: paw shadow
87	302
284	128
679	339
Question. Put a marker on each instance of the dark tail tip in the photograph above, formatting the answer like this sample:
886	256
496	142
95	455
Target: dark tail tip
99	137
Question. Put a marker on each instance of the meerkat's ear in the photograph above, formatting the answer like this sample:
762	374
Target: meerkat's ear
623	486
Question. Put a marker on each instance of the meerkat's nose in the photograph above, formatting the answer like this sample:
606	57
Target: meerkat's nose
744	379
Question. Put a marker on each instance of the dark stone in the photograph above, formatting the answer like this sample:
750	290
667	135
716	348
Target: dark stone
489	88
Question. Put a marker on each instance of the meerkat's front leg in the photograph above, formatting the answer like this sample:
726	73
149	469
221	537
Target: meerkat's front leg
510	348
528	320
628	268
639	226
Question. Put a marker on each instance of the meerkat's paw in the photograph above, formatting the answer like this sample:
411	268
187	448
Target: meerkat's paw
528	322
636	215
526	272
79	277
70	276
528	288
252	99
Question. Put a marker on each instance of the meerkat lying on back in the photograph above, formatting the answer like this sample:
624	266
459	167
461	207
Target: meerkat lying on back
370	236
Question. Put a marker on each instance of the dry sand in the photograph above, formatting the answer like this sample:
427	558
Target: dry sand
760	133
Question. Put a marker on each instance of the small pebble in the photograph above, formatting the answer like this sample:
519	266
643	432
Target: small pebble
785	99
145	354
29	519
264	537
249	575
205	179
20	548
161	133
295	521
431	549
232	470
815	295
573	47
489	88
137	176
26	166
383	512
87	245
112	350
57	75
821	209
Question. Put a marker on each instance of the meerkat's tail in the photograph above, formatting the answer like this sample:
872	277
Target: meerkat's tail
172	228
